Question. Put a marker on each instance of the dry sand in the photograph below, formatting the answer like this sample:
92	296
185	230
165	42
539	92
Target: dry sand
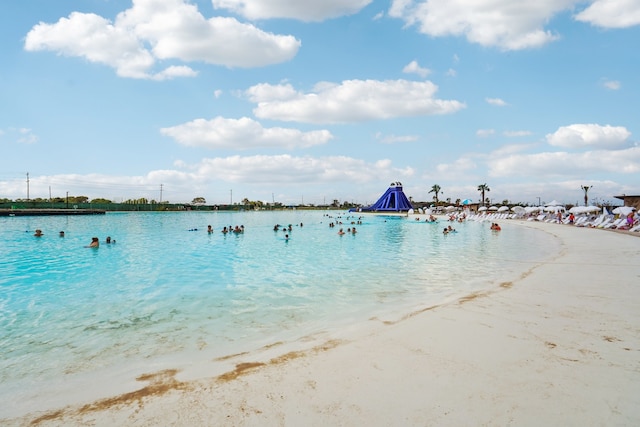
558	347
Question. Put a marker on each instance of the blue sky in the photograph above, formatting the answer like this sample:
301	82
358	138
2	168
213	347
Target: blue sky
301	101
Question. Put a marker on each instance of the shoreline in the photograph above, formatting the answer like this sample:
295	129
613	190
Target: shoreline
558	346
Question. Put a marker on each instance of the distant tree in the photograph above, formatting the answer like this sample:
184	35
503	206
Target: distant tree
198	201
336	203
435	189
505	202
458	201
101	201
78	199
482	188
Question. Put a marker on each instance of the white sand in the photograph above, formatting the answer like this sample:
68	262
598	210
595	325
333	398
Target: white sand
559	347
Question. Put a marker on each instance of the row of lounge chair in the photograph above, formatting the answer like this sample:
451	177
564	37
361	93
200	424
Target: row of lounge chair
592	221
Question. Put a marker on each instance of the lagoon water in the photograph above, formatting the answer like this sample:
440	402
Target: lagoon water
79	323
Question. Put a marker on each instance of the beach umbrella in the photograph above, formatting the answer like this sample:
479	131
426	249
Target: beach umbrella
577	210
518	209
467	201
554	208
554	203
503	208
482	208
623	210
530	209
493	208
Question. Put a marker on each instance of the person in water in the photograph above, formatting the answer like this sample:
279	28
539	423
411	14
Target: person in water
95	242
38	233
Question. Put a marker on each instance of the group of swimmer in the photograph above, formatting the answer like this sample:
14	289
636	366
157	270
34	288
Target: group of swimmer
95	242
286	230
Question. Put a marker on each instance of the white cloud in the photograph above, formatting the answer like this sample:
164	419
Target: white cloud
20	135
612	84
484	133
303	10
242	134
393	139
589	135
174	30
451	72
287	169
566	164
496	101
611	13
516	133
413	67
350	101
502	23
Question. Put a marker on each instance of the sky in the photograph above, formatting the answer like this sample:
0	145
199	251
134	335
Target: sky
307	102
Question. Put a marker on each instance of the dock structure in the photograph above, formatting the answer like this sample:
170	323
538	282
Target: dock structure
49	212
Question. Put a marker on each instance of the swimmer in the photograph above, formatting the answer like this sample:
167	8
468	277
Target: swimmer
341	232
38	233
209	229
61	234
95	242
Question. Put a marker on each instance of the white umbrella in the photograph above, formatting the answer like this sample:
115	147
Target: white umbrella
554	203
530	209
623	210
503	208
482	208
493	208
577	209
518	209
554	208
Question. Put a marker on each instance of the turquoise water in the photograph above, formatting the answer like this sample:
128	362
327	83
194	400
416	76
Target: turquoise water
168	296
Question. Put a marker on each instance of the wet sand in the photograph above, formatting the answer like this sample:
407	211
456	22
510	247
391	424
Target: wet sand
560	346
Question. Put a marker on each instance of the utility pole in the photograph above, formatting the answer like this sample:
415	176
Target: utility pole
231	196
27	186
161	192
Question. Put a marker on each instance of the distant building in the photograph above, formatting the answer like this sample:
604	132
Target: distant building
633	201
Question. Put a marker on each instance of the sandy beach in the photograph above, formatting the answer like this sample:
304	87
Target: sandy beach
560	346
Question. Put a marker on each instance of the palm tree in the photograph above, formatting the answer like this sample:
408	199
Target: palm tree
482	188
435	189
586	190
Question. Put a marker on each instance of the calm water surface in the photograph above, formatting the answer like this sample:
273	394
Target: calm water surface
79	323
